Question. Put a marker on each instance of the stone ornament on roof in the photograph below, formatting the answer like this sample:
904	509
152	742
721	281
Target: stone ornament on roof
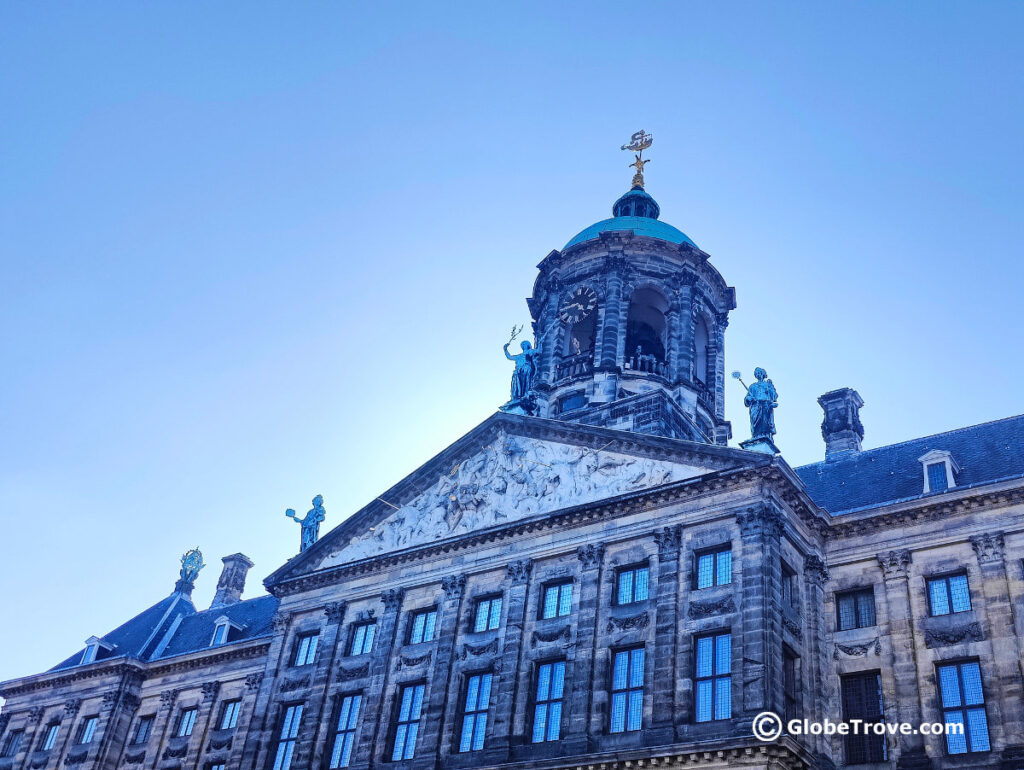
639	142
191	563
310	524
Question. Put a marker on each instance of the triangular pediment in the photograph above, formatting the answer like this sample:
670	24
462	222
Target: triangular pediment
509	468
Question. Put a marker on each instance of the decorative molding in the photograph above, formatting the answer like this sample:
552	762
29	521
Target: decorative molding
335	612
669	540
130	702
792	626
564	634
167	699
392	599
453	586
988	547
210	690
253	681
519	571
640	620
411	662
39	762
76	756
590	554
857	650
221	743
280	622
762	520
109	700
815	571
698	610
177	751
969	632
135	759
365	616
478	649
72	706
35	714
895	564
354	673
289	685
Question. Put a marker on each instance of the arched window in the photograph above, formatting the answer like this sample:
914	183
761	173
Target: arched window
579	338
701	340
645	330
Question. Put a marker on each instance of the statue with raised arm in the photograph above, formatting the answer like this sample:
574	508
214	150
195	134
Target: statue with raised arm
310	524
762	400
524	377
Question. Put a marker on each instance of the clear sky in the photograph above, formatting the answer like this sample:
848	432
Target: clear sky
255	252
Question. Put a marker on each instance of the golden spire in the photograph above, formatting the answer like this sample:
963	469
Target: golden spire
639	142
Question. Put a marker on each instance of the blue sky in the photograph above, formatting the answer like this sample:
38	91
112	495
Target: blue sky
255	252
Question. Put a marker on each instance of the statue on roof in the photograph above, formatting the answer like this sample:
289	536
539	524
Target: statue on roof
761	399
639	142
310	524
191	563
524	377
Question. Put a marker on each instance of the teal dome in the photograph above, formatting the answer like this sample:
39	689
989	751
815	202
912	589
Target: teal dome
638	212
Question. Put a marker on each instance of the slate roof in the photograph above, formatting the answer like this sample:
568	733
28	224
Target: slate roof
986	453
173	626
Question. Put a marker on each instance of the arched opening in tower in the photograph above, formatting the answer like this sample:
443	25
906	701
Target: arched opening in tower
701	341
580	338
645	330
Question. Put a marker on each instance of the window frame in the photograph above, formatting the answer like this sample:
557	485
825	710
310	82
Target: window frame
397	723
558	587
287	722
309	657
628	691
49	738
229	708
12	743
478	714
489	601
365	647
536	701
714	552
945	577
87	730
187	714
872	748
790	588
855	594
147	720
963	708
348	735
633	569
715	677
413	617
791	691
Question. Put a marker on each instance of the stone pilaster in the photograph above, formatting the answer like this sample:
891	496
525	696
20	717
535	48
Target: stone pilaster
374	725
430	749
33	734
508	663
1006	649
577	739
814	697
71	708
247	719
161	726
760	531
311	744
683	363
204	723
260	737
896	577
665	712
717	388
611	335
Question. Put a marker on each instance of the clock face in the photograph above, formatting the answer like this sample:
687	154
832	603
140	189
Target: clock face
577	305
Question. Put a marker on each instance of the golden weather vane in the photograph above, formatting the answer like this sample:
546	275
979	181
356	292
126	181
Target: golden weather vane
639	142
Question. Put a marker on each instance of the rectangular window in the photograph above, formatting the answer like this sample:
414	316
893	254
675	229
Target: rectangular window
557	601
305	649
407	724
855	609
790	587
488	614
862	699
186	721
12	743
50	737
547	711
948	594
218	766
361	642
714	568
937	479
963	703
632	584
143	729
345	731
287	736
422	627
229	714
627	690
474	712
790	687
220	634
714	677
86	730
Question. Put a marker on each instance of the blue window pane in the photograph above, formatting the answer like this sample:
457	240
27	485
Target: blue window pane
636	669
471	693
706	570
961	595
619	671
544	681
704	712
950	686
495	619
550	602
704	657
641	584
724	568
636	710
479	731
466	742
939	599
618	712
410	740
847	613
555	721
971	673
977	725
540	717
406	707
626	587
565	600
485	692
866	609
956	742
558	679
428	631
937	480
723	698
723	654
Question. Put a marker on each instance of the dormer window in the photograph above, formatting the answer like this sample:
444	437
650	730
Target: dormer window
95	648
939	471
222	631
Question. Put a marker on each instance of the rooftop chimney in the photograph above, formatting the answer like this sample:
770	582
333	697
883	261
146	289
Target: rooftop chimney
841	428
232	580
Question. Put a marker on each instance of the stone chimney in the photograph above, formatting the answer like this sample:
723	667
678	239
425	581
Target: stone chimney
232	580
841	428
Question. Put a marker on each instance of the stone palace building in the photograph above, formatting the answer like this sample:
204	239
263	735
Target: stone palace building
592	578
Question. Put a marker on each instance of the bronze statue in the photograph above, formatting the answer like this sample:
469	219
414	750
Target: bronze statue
761	400
310	524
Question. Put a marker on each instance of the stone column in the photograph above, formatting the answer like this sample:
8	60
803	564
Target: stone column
508	663
430	750
32	737
816	706
548	315
577	739
71	708
717	388
260	738
761	643
896	577
161	727
611	334
311	743
683	363
662	730
374	723
246	720
1006	648
204	718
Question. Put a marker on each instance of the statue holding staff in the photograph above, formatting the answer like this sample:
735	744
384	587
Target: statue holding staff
525	374
761	399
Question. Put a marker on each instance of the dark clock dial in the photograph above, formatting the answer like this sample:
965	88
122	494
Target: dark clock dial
577	305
